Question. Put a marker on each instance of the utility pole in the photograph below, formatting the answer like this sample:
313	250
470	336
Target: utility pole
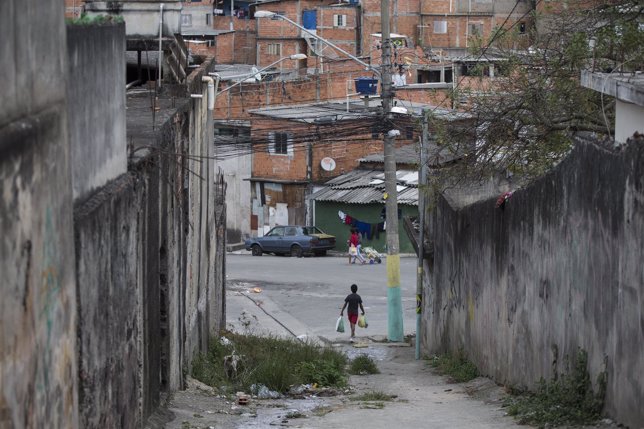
394	301
424	142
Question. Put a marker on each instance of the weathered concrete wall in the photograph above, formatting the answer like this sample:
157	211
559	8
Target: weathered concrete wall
147	264
96	102
37	318
110	230
559	268
237	171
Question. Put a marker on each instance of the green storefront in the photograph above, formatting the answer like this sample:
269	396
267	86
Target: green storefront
327	219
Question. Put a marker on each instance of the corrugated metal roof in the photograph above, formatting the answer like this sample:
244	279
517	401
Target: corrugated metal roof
314	112
410	154
367	187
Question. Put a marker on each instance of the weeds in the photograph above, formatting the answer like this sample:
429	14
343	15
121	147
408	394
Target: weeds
85	19
568	400
374	396
273	362
362	365
456	366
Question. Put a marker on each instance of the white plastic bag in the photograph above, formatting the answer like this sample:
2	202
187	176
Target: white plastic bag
339	325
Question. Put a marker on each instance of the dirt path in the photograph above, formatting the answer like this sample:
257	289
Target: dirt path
422	399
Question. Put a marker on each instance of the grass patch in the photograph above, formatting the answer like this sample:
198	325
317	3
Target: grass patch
274	362
373	406
456	366
374	396
85	19
362	365
565	400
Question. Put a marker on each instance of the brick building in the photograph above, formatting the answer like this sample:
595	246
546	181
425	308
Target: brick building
291	147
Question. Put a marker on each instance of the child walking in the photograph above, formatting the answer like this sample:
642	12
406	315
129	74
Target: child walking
353	301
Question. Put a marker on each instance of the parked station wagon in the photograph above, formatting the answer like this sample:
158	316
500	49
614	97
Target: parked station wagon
292	240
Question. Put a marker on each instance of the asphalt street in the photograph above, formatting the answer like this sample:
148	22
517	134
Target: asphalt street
306	294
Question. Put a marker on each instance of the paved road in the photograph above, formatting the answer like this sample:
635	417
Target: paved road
306	294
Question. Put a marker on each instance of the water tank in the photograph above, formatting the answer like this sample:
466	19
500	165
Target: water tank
366	85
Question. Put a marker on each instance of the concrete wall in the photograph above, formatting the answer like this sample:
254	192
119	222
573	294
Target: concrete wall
559	268
141	17
237	171
37	317
96	95
110	230
149	274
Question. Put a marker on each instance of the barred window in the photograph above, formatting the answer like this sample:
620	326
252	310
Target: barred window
280	143
274	49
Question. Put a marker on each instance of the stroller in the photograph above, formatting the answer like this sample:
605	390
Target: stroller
372	255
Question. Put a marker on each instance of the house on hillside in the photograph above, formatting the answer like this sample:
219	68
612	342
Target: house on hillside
331	20
296	146
356	200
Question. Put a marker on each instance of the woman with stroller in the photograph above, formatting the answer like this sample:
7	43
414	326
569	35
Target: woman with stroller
354	240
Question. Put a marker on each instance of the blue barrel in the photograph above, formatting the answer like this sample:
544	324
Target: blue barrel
366	85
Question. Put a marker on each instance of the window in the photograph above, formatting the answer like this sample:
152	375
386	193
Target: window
522	28
278	231
440	27
475	29
208	19
290	231
409	133
186	19
375	132
274	49
339	20
280	143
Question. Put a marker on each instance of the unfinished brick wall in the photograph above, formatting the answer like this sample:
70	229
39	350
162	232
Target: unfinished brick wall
345	151
266	54
346	35
224	48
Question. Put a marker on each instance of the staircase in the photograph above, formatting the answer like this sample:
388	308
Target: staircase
177	59
318	47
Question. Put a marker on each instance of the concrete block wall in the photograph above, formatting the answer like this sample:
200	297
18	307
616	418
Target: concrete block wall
560	268
96	105
38	385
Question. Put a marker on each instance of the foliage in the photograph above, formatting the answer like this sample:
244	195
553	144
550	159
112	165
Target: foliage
456	366
374	396
85	19
320	372
362	365
568	400
523	121
274	362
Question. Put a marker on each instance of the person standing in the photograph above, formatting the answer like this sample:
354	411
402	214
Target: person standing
353	302
354	240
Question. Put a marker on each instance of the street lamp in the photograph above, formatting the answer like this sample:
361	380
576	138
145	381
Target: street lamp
394	302
269	14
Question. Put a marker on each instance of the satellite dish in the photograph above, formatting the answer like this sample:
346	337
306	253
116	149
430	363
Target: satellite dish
328	164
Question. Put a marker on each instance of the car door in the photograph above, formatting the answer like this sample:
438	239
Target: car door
290	237
273	241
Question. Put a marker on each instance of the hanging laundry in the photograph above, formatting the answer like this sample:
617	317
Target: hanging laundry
342	215
347	220
364	229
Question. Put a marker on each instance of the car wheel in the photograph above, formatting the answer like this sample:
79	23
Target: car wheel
257	251
296	251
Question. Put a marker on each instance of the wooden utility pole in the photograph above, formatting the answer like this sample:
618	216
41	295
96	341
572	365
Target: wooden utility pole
394	301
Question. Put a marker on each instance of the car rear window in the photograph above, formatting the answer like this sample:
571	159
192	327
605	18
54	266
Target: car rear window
311	230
